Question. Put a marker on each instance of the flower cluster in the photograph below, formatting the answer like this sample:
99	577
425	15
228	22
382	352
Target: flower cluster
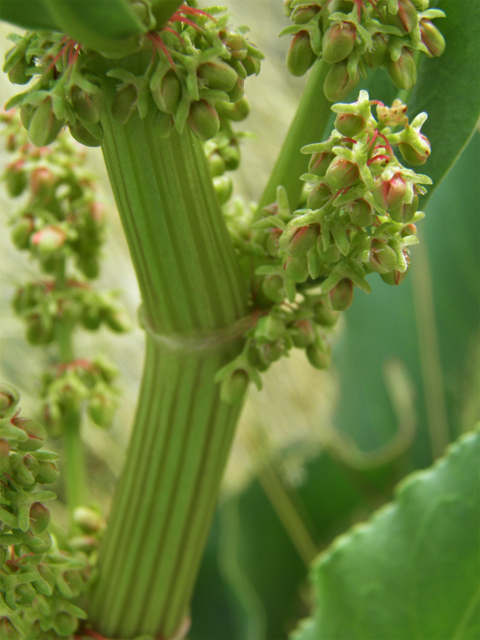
194	74
359	219
62	225
356	35
37	580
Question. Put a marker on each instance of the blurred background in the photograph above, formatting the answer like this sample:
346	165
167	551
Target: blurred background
315	451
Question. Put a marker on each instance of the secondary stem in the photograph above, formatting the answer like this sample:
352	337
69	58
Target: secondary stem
308	126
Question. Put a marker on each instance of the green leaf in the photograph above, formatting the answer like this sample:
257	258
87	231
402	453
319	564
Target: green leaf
411	572
28	14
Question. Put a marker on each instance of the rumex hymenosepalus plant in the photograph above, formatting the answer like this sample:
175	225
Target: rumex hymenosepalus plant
227	287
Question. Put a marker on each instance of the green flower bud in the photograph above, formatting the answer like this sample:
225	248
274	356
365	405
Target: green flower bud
409	230
39	330
361	213
26	114
35	431
216	164
323	315
272	287
304	13
107	369
168	95
24	594
300	55
406	18
84	136
203	120
431	37
390	193
341	296
48	240
87	107
236	111
287	7
15	178
17	74
403	71
270	328
238	91
9	398
234	386
330	255
297	268
217	74
47	472
405	212
376	57
223	188
42	182
319	196
302	241
91	317
302	334
124	103
89	266
117	318
65	624
341	173
383	258
319	163
8	631
237	45
88	520
101	409
231	155
349	124
273	242
44	126
22	232
252	65
394	277
338	83
338	42
163	124
39	518
319	353
415	148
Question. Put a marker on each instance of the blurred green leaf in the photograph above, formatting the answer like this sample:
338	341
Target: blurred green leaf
411	573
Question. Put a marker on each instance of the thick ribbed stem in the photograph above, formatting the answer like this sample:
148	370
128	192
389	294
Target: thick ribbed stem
307	126
190	284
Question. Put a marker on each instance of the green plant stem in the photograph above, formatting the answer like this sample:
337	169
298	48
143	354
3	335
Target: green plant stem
190	283
307	126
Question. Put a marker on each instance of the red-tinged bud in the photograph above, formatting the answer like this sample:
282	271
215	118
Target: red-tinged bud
168	95
338	42
406	18
376	57
101	409
302	241
341	296
319	196
409	230
273	242
9	398
39	518
305	13
237	46
163	125
338	83
431	37
35	431
403	71
389	194
405	212
65	624
238	91
217	74
394	277
383	258
39	330
349	124
272	287
15	178
47	472
300	55
4	458
124	103
234	386
48	240
319	353
22	232
44	125
223	188
236	111
302	334
252	65
297	268
88	520
82	135
203	120
361	213
341	173
87	107
42	182
323	315
415	150
319	162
